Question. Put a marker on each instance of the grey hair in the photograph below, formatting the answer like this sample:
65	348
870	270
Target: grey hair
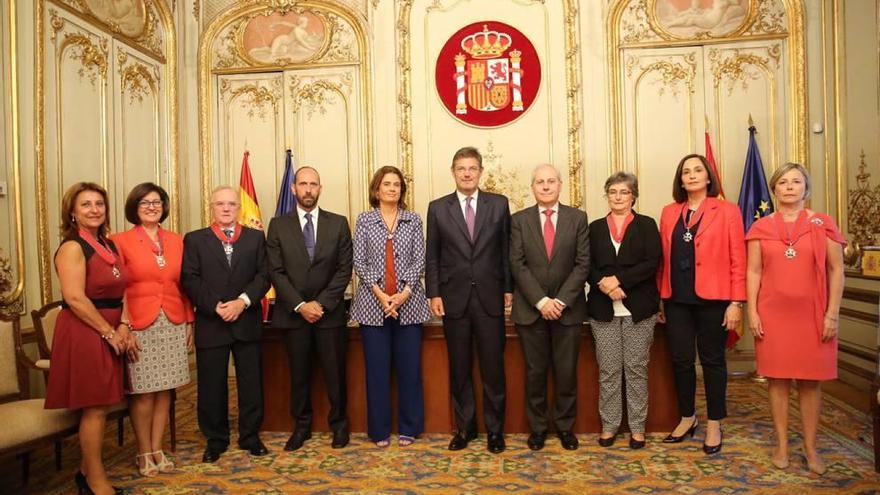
222	188
543	166
631	181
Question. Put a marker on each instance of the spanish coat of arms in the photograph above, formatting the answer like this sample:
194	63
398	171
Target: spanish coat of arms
481	76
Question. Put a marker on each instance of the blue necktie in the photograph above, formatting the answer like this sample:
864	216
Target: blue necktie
309	236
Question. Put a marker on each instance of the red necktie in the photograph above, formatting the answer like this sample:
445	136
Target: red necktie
549	232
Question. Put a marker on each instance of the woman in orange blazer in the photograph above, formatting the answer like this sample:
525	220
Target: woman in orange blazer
702	282
161	316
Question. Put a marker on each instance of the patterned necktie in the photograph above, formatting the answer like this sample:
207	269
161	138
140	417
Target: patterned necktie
549	232
309	236
227	246
469	216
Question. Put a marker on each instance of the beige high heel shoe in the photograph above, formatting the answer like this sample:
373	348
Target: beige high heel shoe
164	464
149	469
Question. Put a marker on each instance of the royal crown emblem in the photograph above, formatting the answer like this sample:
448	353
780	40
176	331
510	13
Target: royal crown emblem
488	71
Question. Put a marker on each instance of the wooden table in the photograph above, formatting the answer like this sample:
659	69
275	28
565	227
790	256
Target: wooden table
662	408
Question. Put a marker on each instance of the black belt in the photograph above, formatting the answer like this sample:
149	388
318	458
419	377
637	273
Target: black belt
99	303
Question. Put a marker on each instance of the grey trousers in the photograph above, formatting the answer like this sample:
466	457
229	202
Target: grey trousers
623	349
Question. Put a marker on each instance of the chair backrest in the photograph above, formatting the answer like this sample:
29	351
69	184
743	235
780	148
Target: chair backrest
10	386
44	324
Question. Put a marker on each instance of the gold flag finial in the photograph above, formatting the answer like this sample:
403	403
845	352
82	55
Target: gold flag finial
707	122
751	122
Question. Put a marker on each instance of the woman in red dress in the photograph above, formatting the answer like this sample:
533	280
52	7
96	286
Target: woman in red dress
89	340
795	284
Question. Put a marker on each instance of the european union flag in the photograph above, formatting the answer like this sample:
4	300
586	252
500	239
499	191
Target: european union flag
286	199
754	195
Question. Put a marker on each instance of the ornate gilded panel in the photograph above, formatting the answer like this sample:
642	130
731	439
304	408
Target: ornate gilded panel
323	129
283	36
662	115
554	122
105	106
137	22
139	124
747	81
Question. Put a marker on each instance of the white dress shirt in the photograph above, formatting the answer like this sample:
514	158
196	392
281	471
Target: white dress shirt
302	218
462	202
555	219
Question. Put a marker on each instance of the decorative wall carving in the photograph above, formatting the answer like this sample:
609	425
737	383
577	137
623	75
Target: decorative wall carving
315	95
333	40
91	55
740	67
672	74
255	98
10	308
507	182
652	21
135	21
137	79
863	213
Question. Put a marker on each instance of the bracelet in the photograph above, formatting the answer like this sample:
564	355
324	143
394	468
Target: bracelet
127	324
832	318
738	304
109	335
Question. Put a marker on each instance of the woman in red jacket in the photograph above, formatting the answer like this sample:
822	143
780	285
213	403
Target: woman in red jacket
161	316
702	284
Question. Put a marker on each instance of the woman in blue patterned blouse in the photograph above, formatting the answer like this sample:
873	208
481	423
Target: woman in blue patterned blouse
390	306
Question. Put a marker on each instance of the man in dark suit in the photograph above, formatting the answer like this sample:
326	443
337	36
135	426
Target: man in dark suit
467	278
225	274
549	259
310	260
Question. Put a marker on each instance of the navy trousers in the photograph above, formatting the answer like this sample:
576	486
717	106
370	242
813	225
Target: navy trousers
400	346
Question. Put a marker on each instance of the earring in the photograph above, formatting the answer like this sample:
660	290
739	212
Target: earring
72	218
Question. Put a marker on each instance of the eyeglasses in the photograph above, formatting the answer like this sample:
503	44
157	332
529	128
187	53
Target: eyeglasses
614	192
145	203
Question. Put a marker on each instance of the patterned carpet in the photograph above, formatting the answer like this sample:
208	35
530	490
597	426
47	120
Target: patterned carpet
427	467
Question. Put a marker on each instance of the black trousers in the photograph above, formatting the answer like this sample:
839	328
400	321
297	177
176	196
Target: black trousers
547	343
488	332
686	323
213	399
329	345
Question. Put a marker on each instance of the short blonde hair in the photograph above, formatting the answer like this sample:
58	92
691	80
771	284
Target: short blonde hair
788	167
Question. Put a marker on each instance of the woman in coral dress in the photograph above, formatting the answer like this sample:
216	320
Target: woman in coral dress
794	286
90	337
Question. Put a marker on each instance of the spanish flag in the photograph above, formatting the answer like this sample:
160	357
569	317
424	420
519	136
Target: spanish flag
249	215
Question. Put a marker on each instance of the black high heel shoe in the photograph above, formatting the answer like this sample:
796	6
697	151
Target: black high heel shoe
691	431
83	487
714	449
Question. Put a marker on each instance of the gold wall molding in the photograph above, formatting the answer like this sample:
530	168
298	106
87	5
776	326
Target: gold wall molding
150	41
255	98
11	304
12	290
137	79
167	57
672	74
658	28
92	56
736	68
314	96
218	55
863	213
628	26
507	182
572	86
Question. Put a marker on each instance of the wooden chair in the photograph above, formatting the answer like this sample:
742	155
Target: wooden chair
44	325
27	425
